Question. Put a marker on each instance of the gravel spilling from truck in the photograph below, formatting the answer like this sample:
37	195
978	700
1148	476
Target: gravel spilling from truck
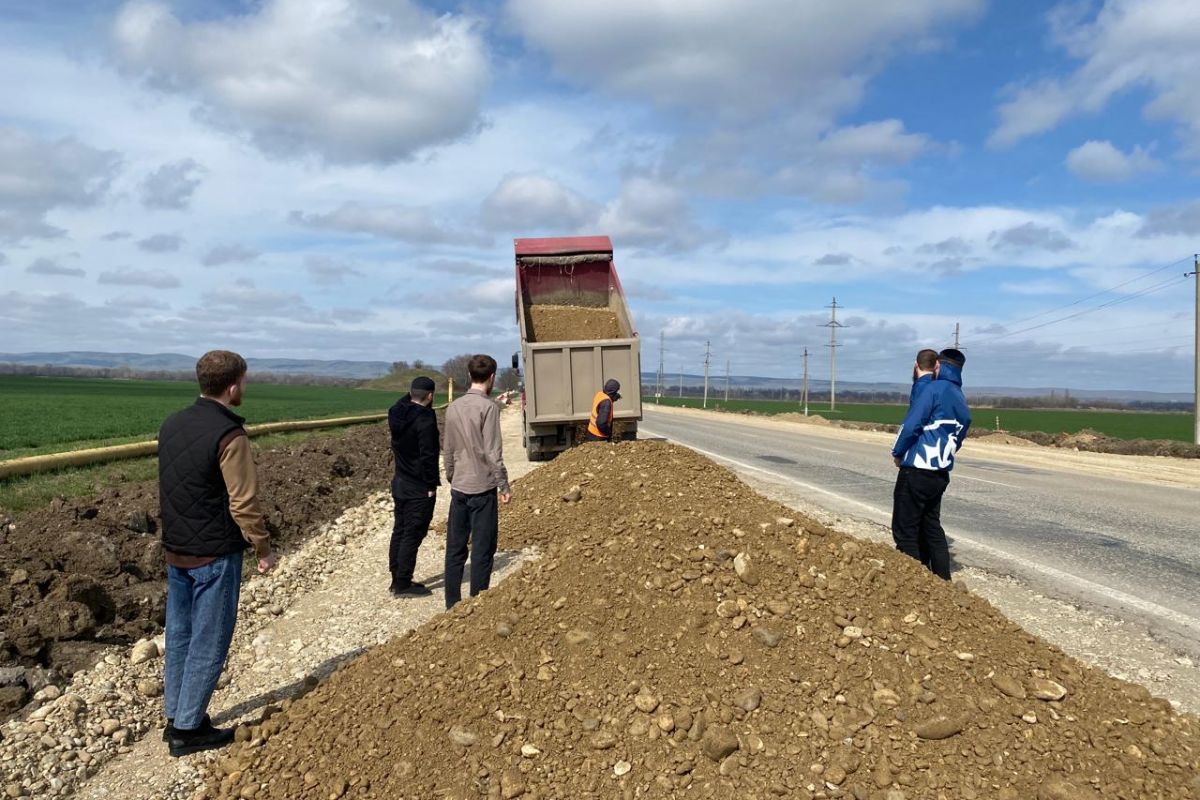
552	323
684	636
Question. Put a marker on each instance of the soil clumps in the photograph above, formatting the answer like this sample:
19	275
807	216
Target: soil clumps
551	323
83	574
683	636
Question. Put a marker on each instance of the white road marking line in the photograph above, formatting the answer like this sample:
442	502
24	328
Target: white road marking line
984	480
1056	575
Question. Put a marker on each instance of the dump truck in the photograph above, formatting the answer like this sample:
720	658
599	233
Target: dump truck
576	333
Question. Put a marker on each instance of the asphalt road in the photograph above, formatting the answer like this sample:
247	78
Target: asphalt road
1131	548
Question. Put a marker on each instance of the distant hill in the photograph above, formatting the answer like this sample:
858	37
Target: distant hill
177	362
401	380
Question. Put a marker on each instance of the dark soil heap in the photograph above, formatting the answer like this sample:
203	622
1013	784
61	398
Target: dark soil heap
551	323
684	637
87	573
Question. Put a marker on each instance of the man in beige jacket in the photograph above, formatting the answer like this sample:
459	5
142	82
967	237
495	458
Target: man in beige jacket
474	456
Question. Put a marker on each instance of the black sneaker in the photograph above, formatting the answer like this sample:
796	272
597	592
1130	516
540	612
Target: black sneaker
170	729
206	737
411	589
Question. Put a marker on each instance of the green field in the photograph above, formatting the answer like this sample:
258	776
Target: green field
44	415
1118	424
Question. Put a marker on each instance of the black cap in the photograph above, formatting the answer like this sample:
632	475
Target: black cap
611	386
953	357
422	384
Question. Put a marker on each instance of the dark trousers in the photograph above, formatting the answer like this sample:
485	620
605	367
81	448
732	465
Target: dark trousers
917	518
409	528
474	519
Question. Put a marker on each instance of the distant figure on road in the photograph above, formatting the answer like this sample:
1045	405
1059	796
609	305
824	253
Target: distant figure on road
936	426
416	447
600	426
208	491
474	455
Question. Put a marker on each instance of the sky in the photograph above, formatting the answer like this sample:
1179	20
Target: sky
343	179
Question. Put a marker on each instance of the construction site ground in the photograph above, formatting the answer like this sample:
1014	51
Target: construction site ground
329	603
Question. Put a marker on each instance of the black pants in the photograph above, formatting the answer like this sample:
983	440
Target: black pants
411	524
474	518
917	518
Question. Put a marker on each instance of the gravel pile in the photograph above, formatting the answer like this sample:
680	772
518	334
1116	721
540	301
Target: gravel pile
683	636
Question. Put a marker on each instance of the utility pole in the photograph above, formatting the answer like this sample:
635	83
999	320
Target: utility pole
956	336
727	373
681	383
833	326
707	359
1195	274
804	390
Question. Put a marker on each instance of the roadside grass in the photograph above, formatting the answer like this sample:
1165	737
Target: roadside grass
50	415
29	492
1117	424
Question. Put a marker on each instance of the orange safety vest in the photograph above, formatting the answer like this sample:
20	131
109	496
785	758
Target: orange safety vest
593	428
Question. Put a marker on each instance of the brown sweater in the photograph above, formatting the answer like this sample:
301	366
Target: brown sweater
241	481
474	449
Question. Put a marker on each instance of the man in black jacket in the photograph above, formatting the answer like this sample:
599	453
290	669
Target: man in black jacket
416	446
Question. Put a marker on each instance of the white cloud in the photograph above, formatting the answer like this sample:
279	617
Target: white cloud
1031	236
172	185
352	81
413	224
153	278
1129	45
326	271
1101	162
161	243
1182	219
718	57
49	266
760	91
1038	287
885	141
522	203
222	254
39	175
651	214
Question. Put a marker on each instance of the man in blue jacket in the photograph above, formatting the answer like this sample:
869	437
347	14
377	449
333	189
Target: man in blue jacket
924	371
936	426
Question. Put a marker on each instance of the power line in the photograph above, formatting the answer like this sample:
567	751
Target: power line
1116	302
1101	293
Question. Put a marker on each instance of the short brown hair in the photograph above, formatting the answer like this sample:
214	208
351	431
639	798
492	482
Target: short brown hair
217	370
481	368
926	360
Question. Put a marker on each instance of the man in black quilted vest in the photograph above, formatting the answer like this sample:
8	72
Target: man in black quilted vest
208	491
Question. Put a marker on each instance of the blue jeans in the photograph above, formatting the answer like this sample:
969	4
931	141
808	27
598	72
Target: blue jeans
201	612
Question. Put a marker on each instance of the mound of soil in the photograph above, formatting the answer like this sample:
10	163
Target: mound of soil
1001	438
685	637
86	573
551	323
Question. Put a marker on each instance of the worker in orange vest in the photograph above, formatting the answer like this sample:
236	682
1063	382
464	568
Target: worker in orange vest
600	427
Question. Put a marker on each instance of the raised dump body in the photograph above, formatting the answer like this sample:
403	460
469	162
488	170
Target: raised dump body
576	333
